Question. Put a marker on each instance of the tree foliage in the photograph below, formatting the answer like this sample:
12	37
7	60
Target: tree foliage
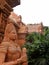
38	48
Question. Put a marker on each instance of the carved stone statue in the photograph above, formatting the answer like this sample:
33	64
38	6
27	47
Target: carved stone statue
10	52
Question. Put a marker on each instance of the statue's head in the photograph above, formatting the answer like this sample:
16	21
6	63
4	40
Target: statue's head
10	32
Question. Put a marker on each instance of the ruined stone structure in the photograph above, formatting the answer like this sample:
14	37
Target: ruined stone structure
35	28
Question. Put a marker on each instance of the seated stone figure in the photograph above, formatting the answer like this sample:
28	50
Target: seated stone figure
10	51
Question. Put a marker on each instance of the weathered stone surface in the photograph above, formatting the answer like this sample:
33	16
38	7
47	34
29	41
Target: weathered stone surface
3	23
7	5
10	51
5	10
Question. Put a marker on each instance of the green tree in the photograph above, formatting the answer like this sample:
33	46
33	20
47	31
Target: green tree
38	48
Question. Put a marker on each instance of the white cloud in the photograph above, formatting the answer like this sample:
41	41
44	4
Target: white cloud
34	11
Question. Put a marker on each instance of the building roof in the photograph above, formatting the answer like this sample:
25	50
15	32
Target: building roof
13	3
35	28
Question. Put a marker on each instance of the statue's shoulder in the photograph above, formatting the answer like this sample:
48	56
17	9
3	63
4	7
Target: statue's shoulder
6	44
3	47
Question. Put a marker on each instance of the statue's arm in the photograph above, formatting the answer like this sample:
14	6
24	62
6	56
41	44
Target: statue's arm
23	59
3	51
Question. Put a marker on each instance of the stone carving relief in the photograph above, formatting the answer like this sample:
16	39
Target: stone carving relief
10	51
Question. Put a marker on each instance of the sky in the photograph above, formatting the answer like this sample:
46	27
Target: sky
34	11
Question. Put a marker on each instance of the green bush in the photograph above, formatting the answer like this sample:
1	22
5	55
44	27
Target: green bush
38	48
